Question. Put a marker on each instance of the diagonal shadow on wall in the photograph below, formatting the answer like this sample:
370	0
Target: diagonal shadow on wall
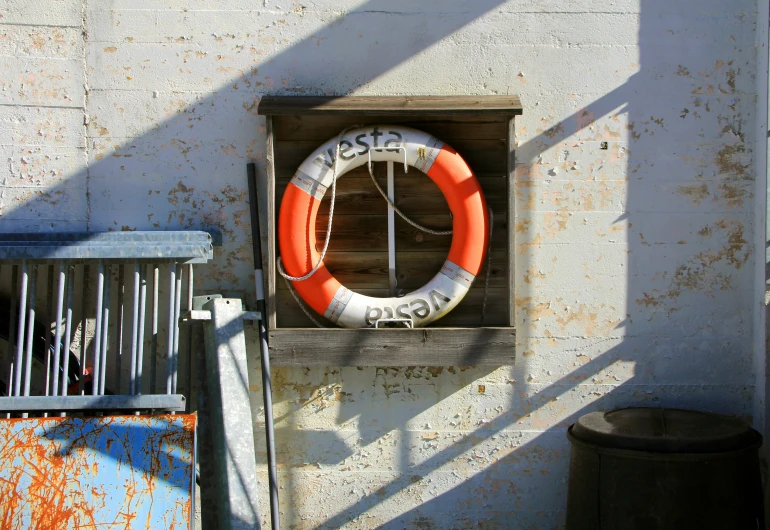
678	168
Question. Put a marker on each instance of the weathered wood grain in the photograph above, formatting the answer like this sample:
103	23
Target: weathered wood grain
466	314
369	232
319	129
483	156
369	270
416	194
511	211
272	251
390	105
392	347
358	250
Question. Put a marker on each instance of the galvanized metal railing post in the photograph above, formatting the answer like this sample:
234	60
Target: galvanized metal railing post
83	331
19	363
134	330
154	331
119	337
140	331
189	335
68	330
58	332
177	315
105	330
12	331
98	331
30	331
47	346
171	327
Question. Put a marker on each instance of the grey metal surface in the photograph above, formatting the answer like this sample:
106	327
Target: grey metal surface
167	402
105	331
177	310
63	256
154	341
31	311
20	331
120	317
58	333
231	420
134	330
83	330
98	332
171	328
140	332
181	246
67	329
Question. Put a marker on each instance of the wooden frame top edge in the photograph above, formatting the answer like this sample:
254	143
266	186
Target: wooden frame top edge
390	105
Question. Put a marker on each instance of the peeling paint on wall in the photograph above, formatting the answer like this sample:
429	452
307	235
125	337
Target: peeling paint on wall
632	261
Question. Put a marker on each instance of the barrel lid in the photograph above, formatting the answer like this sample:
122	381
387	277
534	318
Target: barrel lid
664	430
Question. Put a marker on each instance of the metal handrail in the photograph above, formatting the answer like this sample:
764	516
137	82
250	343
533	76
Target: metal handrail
65	258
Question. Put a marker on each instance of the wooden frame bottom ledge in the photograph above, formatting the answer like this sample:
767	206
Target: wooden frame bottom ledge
392	347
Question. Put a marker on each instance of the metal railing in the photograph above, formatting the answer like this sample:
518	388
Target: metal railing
97	287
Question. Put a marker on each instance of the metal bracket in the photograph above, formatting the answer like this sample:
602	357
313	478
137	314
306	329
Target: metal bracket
198	314
408	322
400	148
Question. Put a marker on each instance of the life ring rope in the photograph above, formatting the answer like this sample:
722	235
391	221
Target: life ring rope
429	302
317	266
403	216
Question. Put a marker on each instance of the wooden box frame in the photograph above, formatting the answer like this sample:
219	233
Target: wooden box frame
286	119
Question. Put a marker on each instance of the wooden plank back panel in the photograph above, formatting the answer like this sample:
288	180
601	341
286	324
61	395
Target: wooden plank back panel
393	347
291	316
358	248
485	157
322	128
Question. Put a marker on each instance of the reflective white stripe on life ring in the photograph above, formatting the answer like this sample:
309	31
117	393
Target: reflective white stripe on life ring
428	303
315	173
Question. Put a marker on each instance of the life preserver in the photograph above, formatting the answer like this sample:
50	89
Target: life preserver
461	189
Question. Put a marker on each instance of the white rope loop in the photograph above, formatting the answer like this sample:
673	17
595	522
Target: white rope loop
402	215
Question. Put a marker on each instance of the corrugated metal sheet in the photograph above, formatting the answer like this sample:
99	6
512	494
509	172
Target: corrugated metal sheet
108	472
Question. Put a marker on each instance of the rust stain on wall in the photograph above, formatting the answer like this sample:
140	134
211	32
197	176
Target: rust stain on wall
707	271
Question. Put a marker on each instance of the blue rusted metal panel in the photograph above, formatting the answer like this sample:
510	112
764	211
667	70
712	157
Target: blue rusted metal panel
108	472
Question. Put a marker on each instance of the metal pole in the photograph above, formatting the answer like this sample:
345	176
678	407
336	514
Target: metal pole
140	333
119	338
47	346
20	330
264	353
12	330
68	330
177	313
170	346
98	332
58	332
30	330
83	330
105	329
189	338
134	330
391	233
154	342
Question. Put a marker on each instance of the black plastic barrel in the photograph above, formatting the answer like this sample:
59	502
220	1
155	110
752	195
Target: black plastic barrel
663	469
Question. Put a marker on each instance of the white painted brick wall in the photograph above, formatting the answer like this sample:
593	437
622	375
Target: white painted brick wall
634	281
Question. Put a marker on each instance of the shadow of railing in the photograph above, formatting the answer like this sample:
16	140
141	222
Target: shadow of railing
641	246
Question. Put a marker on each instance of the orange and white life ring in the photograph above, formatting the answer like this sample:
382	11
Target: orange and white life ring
461	189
